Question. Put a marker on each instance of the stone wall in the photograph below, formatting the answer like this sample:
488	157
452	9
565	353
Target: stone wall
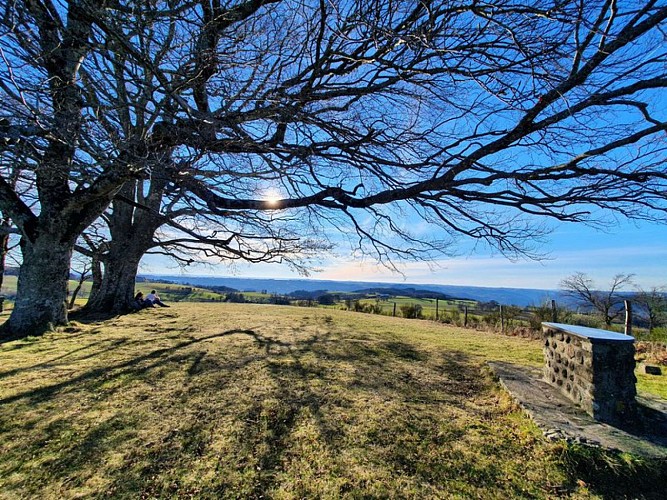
594	368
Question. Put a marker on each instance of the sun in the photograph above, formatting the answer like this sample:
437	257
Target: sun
272	198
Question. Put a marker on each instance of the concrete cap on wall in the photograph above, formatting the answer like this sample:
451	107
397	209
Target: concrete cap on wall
590	333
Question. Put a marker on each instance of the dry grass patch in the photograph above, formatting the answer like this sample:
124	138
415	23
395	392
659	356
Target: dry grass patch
243	401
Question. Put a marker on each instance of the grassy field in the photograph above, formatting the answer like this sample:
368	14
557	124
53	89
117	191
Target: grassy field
250	401
168	292
428	305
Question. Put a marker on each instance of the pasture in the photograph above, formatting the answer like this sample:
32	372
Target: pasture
210	400
169	292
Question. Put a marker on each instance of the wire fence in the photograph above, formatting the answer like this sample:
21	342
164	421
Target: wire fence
509	319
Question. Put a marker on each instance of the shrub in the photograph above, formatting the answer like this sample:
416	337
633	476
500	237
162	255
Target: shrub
327	299
280	300
544	312
373	308
305	303
587	320
452	317
235	298
354	305
511	314
657	335
411	311
445	318
651	352
492	319
660	358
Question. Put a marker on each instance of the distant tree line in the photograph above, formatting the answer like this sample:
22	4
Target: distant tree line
592	307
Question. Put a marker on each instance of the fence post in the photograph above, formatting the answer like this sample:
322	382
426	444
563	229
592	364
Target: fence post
465	317
394	313
628	317
502	319
554	312
437	309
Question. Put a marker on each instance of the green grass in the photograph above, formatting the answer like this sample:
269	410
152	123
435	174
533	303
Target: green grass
428	305
256	296
168	292
248	401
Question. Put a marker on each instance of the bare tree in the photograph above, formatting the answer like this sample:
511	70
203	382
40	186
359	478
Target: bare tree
480	119
654	305
48	53
604	302
83	268
151	221
124	154
374	155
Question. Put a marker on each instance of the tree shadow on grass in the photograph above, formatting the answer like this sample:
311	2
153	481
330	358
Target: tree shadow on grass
72	331
71	444
314	384
113	344
305	372
130	366
404	350
300	370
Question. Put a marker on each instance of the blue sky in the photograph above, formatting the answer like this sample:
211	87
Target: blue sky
626	248
463	116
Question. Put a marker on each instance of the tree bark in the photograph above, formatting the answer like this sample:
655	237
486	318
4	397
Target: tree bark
116	292
132	229
96	274
42	285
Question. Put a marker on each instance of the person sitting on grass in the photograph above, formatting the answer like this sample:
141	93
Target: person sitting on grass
140	302
154	298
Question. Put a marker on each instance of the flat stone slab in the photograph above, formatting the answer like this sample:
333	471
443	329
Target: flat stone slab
592	334
560	419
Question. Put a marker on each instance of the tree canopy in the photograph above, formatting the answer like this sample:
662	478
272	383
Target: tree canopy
481	119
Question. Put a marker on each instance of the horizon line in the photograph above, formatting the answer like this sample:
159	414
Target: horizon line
347	281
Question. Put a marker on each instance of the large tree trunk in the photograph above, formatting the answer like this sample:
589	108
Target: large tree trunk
116	291
132	229
42	286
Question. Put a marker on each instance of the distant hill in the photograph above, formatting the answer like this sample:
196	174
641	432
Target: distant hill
11	271
307	294
408	292
223	289
509	296
195	283
389	291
